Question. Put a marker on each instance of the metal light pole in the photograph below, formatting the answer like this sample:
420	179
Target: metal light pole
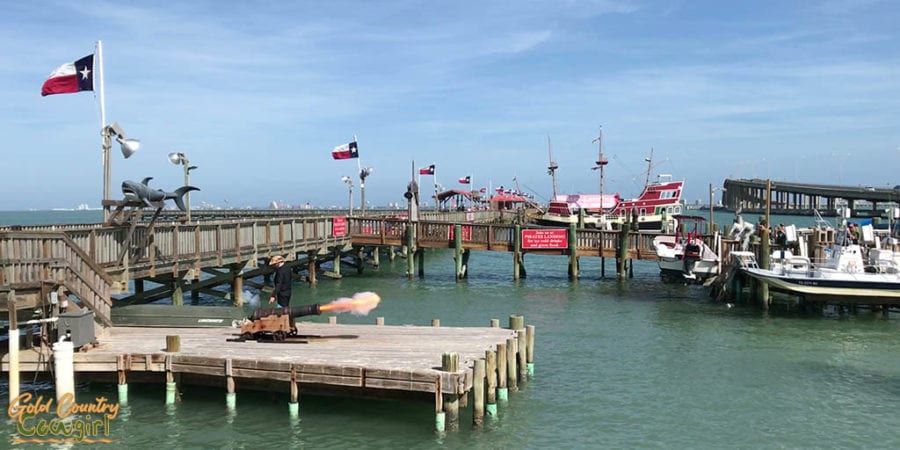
349	182
128	146
364	172
180	158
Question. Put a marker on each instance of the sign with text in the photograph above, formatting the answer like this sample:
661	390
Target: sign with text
466	232
545	238
339	226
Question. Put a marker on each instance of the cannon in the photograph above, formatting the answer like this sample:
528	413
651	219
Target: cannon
279	323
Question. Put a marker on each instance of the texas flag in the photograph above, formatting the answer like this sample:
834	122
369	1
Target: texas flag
466	180
346	151
71	77
427	170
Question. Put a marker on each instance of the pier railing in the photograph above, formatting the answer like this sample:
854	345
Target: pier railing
30	259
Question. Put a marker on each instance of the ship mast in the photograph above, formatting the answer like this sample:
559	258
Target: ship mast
601	162
649	167
552	168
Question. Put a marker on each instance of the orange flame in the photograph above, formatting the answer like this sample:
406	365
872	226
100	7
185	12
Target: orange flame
360	304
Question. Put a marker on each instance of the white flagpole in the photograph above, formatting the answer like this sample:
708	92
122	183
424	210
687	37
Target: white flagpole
434	183
104	135
100	80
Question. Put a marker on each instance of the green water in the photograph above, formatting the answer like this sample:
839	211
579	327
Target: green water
637	364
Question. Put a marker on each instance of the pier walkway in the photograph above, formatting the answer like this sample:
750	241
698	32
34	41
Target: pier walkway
103	266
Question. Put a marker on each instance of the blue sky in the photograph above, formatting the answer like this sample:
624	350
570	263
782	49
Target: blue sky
258	93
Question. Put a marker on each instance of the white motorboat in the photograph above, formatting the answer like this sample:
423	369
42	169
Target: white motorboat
845	273
685	256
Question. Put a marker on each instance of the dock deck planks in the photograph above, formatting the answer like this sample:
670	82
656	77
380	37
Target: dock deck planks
403	357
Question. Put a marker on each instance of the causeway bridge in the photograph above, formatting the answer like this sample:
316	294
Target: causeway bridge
751	195
100	266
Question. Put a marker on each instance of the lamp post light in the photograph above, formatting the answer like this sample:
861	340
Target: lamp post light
349	182
712	204
180	158
128	146
364	172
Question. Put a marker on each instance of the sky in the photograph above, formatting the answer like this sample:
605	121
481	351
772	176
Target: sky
257	94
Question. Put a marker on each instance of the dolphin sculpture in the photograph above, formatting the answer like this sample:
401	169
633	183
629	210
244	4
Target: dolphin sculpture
141	193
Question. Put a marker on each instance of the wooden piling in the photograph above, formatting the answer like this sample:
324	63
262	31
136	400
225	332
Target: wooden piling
478	393
177	294
420	260
573	252
332	320
495	323
411	257
502	378
439	415
490	358
230	395
294	403
311	268
376	257
336	262
529	356
391	253
516	322
458	250
522	353
517	251
379	321
122	381
512	375
622	251
173	344
171	385
237	287
450	363
360	260
436	322
13	348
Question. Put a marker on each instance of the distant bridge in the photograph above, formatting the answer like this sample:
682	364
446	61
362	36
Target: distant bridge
803	198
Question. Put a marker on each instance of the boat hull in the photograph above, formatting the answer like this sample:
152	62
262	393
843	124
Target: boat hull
860	285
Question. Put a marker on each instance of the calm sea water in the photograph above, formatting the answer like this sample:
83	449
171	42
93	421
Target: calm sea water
633	364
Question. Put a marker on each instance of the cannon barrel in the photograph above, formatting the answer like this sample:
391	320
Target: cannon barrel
292	311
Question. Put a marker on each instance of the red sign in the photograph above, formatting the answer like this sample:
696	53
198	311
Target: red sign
466	232
545	238
338	226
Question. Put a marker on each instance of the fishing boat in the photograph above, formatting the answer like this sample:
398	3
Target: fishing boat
847	273
685	256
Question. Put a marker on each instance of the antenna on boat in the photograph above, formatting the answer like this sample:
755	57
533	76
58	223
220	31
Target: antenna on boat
552	168
601	162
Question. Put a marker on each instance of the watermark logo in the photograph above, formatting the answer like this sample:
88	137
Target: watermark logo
39	420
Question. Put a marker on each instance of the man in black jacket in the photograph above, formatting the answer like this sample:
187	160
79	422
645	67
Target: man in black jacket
283	280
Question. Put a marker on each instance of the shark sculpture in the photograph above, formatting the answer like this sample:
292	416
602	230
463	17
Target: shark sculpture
141	193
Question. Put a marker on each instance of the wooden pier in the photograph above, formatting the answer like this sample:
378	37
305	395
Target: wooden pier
351	360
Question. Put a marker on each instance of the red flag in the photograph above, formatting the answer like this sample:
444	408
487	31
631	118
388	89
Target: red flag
71	77
346	151
466	180
427	170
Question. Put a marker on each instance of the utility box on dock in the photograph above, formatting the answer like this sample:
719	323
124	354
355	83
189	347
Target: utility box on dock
79	325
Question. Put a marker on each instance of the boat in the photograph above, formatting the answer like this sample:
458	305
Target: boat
685	256
849	272
654	210
566	209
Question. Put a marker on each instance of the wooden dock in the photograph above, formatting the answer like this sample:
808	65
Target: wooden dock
350	360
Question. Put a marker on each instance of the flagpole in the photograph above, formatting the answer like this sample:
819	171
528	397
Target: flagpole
434	183
104	133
